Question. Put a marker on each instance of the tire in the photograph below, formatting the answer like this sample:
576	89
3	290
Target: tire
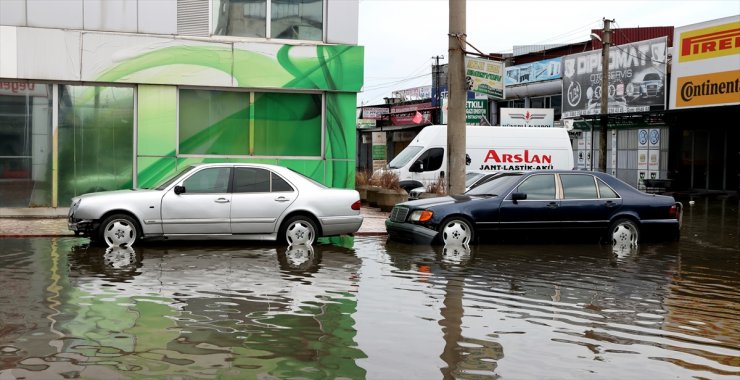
624	232
298	229
456	231
119	230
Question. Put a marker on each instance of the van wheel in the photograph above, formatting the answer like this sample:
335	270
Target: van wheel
456	231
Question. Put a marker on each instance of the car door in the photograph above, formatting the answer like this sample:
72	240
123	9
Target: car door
431	166
540	208
587	201
203	207
259	198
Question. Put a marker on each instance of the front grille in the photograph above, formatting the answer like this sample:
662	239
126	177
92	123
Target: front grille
398	214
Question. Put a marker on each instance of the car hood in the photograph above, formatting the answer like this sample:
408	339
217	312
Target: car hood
117	193
438	201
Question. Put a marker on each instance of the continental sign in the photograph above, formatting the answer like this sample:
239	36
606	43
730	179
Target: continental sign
712	42
706	89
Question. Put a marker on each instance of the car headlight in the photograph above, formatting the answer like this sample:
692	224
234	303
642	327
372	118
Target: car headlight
421	216
75	206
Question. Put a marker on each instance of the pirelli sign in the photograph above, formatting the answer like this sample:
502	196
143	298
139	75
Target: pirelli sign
706	64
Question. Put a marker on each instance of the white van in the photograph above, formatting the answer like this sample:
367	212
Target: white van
489	149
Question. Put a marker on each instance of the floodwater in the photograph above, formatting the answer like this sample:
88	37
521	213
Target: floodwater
356	308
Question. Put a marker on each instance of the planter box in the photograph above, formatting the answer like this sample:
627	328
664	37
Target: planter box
372	196
388	198
363	192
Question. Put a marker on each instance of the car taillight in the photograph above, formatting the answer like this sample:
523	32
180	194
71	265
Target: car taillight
356	205
673	211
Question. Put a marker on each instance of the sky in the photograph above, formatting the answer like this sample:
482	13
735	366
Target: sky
401	36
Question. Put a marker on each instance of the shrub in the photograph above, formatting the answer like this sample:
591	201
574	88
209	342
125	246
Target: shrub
362	178
388	180
437	187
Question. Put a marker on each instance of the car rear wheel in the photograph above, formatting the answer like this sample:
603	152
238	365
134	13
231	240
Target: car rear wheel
625	233
119	230
456	231
298	229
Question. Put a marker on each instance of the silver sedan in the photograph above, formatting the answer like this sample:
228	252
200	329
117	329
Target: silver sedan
221	201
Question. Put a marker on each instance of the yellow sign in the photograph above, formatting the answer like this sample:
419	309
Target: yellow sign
712	42
708	89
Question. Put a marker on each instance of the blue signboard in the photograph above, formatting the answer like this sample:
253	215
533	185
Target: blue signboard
533	72
443	93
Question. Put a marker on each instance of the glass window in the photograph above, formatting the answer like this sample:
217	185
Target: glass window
404	157
432	159
279	184
211	180
539	187
606	191
214	122
25	144
242	18
287	124
96	139
578	186
297	19
252	180
289	19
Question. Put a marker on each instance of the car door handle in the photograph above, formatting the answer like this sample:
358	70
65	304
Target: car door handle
552	205
221	200
281	199
610	204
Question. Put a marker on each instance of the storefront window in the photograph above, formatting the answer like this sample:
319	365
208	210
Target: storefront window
289	19
96	139
287	124
25	144
222	123
214	122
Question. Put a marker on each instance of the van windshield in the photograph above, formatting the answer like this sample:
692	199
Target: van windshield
404	157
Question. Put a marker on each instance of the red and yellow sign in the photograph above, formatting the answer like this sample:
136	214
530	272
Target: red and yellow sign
712	42
708	89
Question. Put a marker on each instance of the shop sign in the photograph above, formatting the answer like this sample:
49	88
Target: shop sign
416	93
442	93
527	117
378	150
485	76
476	112
365	123
705	69
22	89
636	79
375	113
412	114
547	69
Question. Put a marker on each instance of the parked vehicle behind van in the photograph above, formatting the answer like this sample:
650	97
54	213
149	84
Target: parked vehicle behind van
488	149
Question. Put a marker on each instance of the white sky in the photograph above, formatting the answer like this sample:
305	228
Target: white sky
401	36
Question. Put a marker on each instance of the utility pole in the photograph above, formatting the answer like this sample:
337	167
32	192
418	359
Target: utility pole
457	98
437	98
604	118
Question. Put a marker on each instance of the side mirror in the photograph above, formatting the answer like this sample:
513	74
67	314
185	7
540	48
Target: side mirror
179	190
417	167
518	197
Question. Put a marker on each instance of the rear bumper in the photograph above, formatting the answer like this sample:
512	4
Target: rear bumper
341	225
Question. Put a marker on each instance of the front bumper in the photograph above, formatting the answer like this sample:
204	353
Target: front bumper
409	233
81	226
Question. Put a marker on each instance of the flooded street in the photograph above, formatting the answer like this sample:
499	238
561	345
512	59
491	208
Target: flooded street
363	307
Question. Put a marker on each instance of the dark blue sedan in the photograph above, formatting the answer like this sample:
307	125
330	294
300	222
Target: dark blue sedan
585	202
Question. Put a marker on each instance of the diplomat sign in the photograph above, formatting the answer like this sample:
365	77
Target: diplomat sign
636	75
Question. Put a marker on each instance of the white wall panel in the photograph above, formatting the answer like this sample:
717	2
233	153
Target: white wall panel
65	14
341	21
8	52
158	16
110	15
48	54
13	13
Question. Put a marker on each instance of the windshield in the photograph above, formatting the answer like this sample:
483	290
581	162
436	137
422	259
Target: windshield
497	185
471	177
166	182
404	157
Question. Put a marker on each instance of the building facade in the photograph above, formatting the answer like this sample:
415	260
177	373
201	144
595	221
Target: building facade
103	95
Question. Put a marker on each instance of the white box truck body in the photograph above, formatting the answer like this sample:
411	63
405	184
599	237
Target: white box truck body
489	149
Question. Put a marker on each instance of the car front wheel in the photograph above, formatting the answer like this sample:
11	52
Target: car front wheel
624	232
298	229
118	230
456	231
